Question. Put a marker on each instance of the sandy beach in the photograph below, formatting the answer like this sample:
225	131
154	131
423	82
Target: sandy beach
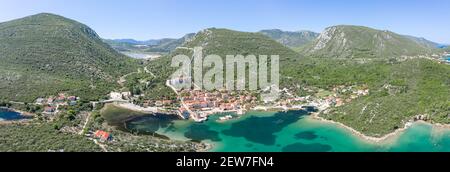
134	107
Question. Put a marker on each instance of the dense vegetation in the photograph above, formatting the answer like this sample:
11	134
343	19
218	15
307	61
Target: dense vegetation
45	54
224	42
42	138
152	87
399	91
127	142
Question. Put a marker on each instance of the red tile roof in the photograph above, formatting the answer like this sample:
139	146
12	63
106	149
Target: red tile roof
103	135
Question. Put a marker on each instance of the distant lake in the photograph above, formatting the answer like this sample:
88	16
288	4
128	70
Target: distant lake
6	115
141	55
293	131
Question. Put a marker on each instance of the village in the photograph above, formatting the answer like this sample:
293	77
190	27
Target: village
198	105
318	99
201	104
190	104
53	106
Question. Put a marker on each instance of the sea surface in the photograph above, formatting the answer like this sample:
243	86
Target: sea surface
446	58
293	131
6	115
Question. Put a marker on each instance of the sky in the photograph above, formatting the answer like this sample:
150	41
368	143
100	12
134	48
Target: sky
154	19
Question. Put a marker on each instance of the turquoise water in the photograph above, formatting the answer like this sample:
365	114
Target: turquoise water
9	115
292	131
446	58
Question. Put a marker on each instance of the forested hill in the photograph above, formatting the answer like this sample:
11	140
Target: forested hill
46	53
224	42
294	40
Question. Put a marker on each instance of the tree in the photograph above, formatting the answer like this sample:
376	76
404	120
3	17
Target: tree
71	114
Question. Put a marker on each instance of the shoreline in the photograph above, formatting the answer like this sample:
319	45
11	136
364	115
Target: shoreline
372	139
136	108
208	147
356	133
386	137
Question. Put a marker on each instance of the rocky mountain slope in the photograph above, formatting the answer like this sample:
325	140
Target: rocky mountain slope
346	41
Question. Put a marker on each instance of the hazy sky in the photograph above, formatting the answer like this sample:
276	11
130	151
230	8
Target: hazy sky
146	19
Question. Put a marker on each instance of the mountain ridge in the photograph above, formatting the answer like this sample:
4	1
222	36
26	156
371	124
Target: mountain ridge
292	39
348	41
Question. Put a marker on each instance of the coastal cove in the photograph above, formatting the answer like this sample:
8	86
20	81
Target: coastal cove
292	131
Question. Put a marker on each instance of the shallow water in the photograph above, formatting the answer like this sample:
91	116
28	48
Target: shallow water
6	115
293	131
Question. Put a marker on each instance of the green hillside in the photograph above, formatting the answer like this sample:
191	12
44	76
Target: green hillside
45	54
399	91
423	41
221	42
291	39
224	42
169	45
228	42
363	42
42	138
